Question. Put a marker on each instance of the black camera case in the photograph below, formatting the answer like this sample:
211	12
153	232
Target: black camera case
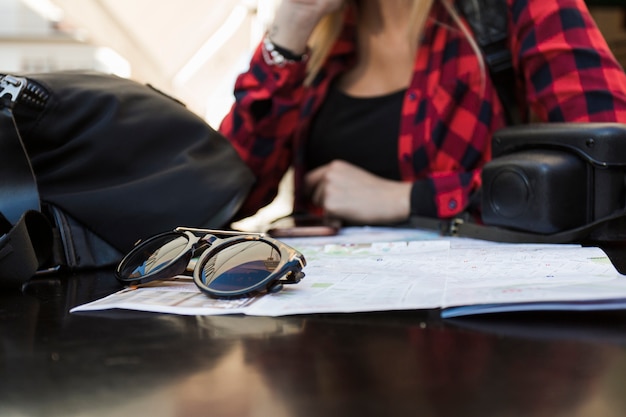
552	177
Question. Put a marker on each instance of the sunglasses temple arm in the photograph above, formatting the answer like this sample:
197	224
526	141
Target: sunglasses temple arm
295	274
217	232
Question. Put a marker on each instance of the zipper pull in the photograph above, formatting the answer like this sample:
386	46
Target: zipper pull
10	88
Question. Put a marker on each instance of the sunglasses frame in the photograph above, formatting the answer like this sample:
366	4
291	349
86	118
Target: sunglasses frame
288	271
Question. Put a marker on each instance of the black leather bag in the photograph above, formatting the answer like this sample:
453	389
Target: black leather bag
552	183
91	162
548	178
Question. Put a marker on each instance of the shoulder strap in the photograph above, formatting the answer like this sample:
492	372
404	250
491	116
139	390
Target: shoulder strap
25	234
604	233
489	22
24	248
18	187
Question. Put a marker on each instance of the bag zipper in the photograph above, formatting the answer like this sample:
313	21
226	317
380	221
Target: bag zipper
23	90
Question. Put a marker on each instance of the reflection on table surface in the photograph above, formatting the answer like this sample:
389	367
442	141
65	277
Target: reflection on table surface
120	363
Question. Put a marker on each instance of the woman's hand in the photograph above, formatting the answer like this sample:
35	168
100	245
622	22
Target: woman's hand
350	193
296	19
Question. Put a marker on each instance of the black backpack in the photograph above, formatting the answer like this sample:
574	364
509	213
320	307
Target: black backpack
90	163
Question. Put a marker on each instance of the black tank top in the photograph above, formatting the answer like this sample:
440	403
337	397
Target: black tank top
362	131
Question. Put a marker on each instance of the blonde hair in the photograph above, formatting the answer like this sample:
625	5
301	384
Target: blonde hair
321	41
327	31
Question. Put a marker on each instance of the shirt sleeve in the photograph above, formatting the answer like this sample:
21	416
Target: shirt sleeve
567	69
452	192
423	199
261	123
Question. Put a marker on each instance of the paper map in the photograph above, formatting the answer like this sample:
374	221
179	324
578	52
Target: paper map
380	269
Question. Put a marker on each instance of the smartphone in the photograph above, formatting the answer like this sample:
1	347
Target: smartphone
304	226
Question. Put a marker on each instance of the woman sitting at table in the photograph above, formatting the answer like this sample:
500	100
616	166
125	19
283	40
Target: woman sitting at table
386	109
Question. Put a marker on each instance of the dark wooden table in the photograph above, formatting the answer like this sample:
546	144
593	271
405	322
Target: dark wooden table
125	363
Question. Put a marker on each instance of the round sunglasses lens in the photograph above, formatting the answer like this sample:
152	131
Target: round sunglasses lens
240	267
153	255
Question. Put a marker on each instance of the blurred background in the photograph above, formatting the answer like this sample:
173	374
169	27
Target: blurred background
190	49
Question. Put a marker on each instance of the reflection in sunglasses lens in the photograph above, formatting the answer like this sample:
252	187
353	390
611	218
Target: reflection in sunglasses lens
154	256
240	266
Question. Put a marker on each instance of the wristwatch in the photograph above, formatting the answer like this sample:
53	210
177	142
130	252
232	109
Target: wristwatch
277	55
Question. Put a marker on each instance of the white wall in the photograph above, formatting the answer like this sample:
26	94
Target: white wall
16	19
31	43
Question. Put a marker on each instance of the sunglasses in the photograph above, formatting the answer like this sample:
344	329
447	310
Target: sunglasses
236	264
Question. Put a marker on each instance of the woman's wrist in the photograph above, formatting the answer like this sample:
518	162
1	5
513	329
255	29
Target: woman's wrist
274	54
287	53
402	204
292	27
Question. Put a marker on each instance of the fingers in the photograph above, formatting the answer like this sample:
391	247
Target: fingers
330	185
313	183
295	20
350	193
323	176
314	177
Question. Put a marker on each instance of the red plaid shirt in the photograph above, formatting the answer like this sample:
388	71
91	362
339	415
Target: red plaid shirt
562	61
